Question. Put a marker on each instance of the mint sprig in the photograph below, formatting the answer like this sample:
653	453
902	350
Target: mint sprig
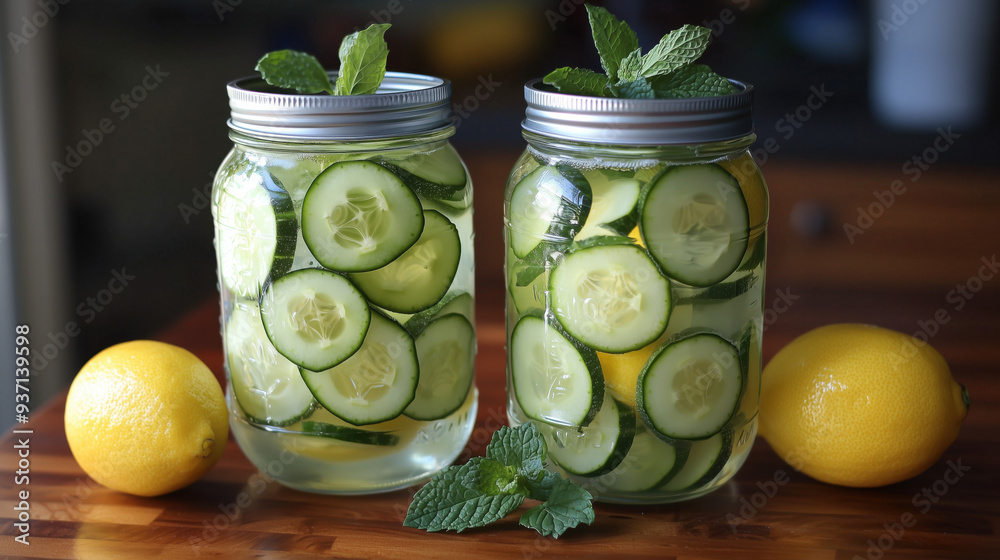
363	56
486	489
667	71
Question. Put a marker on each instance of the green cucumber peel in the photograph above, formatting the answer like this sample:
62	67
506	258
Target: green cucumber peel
548	255
345	433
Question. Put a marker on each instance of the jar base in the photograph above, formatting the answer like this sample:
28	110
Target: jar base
612	487
323	465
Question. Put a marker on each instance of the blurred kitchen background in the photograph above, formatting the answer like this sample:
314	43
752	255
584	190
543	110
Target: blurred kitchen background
114	121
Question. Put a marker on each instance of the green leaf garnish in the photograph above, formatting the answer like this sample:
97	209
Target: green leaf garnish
453	500
613	38
695	80
676	50
523	448
497	479
541	488
631	67
486	489
640	88
577	81
667	71
294	70
363	56
568	505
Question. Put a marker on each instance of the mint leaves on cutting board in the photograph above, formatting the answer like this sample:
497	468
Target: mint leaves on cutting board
363	56
667	71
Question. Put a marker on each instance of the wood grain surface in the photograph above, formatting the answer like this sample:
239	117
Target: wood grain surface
950	511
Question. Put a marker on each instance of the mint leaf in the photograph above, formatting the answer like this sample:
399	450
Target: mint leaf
346	44
567	506
363	56
452	500
486	489
294	70
613	38
631	67
577	81
525	276
678	48
629	73
695	80
541	487
640	88
522	448
495	478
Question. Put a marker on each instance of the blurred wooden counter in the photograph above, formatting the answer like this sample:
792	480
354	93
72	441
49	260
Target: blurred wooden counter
903	272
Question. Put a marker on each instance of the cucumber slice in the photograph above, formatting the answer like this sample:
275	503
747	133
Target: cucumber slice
376	383
446	350
459	302
610	297
421	276
344	433
548	205
267	387
556	380
756	253
435	175
315	318
695	223
721	292
602	241
544	256
649	463
749	345
615	206
691	386
357	216
256	231
597	448
704	461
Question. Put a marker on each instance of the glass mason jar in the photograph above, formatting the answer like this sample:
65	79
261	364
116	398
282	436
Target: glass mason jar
635	245
343	233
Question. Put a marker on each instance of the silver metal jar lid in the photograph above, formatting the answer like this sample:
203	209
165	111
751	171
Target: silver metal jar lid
405	104
638	122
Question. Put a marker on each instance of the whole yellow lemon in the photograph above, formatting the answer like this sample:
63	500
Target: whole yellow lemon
859	405
146	418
